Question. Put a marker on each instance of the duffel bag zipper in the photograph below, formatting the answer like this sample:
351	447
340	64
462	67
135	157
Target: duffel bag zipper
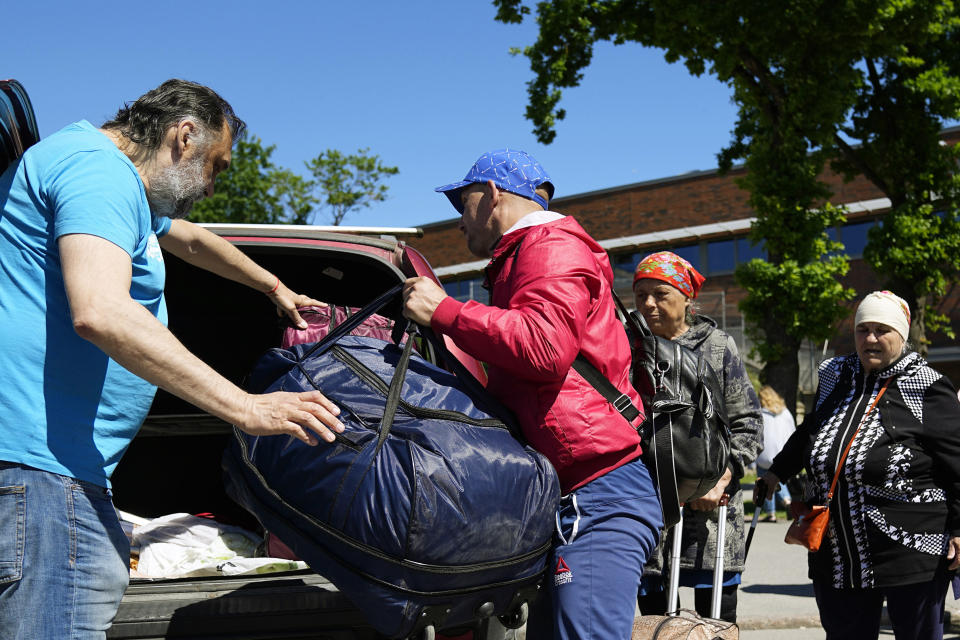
432	568
374	381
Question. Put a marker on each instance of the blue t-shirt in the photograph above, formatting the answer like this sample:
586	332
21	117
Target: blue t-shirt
65	406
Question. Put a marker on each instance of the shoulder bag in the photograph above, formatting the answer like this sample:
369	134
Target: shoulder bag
807	529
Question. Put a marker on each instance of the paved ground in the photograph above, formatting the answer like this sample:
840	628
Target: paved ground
776	598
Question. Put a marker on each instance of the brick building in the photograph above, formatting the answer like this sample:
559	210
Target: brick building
704	217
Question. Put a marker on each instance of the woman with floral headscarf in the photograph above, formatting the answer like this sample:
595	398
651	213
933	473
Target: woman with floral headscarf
664	287
894	527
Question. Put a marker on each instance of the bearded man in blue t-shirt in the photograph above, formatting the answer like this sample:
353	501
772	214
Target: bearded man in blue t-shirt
84	344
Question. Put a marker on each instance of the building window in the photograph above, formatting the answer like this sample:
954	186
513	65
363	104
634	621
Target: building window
721	257
464	290
747	251
691	254
854	237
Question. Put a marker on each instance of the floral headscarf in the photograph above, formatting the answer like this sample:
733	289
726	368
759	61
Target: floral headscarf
673	270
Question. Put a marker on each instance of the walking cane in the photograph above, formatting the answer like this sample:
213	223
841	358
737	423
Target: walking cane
760	489
718	563
673	605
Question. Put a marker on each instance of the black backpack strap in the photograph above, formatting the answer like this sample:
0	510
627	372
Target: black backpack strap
620	401
661	439
664	469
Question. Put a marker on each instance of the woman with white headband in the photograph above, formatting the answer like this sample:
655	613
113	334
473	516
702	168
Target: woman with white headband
894	527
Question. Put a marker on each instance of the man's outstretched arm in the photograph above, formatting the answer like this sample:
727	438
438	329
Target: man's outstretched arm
201	248
97	275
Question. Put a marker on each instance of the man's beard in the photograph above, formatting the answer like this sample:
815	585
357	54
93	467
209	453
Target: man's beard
175	189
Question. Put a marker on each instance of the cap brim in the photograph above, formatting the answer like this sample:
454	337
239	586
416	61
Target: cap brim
452	191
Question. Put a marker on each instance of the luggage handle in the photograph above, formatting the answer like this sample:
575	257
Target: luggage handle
477	390
393	391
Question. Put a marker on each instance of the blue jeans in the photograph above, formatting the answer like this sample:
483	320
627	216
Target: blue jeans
605	531
63	556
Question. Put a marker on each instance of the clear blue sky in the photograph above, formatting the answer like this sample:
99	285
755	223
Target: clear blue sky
428	86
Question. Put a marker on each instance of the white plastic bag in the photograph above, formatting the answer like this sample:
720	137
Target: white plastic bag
180	545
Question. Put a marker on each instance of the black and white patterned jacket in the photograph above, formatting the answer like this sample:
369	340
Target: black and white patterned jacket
898	497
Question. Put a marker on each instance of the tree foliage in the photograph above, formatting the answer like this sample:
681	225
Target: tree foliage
791	88
247	192
256	190
864	84
909	85
349	182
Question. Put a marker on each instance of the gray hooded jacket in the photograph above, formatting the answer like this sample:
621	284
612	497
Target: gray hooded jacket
699	543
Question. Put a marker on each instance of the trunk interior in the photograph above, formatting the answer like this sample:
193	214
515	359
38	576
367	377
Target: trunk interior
173	465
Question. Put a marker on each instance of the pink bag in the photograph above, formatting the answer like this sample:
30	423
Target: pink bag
322	320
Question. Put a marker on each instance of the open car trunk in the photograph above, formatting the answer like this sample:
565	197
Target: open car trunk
174	464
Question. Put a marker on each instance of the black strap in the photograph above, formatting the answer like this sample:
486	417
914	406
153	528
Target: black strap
658	423
395	389
663	467
354	321
620	401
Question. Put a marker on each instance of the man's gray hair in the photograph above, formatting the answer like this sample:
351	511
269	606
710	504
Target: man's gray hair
146	120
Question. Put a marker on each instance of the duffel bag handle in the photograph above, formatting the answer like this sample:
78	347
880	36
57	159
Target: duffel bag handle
354	321
456	367
396	387
396	383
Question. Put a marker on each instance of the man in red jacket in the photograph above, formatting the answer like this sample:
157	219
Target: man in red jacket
551	292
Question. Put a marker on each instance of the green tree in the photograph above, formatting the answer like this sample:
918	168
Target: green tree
791	80
349	182
910	85
247	191
296	194
256	190
866	83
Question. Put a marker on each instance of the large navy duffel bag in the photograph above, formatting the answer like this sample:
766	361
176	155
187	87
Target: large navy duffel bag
426	512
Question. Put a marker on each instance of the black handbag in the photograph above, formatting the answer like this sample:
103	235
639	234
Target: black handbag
686	434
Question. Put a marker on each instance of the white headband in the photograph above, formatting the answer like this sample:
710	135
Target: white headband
886	308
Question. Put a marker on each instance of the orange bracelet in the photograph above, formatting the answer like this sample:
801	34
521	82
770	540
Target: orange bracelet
275	287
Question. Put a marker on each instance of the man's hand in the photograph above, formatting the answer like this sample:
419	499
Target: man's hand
287	302
295	414
421	297
711	501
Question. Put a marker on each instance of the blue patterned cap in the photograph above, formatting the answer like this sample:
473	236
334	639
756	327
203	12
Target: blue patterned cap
511	170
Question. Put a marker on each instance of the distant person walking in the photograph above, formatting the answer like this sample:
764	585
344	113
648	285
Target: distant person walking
778	426
664	287
894	528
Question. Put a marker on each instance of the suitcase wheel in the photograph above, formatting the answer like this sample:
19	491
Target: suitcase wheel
516	618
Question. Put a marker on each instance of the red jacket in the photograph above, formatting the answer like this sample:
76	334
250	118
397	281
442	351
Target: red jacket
551	293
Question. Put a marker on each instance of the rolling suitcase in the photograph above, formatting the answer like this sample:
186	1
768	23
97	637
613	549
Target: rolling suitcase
427	512
686	624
